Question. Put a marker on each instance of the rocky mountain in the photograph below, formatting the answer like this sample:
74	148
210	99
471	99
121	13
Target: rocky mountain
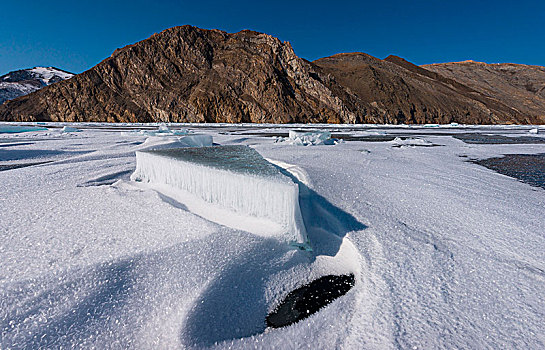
187	74
25	81
517	85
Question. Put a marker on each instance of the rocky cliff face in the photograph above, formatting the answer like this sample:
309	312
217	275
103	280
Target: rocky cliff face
517	85
187	74
25	81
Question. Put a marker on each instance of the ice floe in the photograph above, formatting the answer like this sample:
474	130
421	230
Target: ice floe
410	142
308	138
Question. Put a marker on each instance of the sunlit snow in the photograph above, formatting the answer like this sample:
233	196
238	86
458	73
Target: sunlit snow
444	253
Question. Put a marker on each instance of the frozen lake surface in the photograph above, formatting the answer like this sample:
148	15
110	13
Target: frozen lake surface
426	247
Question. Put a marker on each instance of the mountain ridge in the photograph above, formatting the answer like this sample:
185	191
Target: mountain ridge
188	74
481	63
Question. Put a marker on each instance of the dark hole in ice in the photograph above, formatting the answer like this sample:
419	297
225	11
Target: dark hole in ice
528	168
310	298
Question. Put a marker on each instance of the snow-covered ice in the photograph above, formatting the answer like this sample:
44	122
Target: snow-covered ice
445	253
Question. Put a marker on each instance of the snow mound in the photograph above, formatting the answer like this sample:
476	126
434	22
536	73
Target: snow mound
399	142
308	138
70	129
234	177
162	142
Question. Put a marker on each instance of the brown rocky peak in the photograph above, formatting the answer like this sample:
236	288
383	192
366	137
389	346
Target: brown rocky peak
349	58
394	58
188	74
409	66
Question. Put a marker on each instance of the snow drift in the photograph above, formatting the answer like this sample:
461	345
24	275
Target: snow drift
233	177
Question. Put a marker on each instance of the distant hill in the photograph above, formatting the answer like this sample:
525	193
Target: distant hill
187	74
517	85
405	93
25	81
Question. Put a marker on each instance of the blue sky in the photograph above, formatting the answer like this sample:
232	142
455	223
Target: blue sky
76	35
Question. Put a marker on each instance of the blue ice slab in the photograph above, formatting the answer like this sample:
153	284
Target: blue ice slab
13	129
234	177
233	158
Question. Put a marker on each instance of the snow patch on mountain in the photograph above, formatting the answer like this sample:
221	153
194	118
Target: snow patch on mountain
50	75
25	81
